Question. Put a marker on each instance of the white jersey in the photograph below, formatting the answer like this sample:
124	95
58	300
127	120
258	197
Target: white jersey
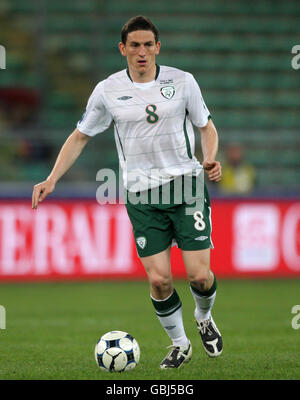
153	124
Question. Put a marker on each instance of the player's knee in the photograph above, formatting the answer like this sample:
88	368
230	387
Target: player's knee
161	283
200	278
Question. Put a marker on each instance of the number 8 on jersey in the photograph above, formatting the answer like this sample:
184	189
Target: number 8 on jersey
152	117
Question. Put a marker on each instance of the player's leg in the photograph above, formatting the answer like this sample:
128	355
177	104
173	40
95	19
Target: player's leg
202	281
193	234
168	307
153	237
203	287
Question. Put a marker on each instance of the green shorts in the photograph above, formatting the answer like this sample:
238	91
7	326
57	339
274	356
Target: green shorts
157	226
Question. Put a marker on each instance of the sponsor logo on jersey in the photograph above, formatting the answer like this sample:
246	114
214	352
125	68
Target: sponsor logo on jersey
141	241
201	238
125	98
168	92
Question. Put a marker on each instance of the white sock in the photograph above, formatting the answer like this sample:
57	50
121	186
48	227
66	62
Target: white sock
203	306
173	326
169	313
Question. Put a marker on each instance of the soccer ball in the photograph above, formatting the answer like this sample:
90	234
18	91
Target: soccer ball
117	351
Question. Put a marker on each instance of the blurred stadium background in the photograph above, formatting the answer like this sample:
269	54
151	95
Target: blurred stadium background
240	54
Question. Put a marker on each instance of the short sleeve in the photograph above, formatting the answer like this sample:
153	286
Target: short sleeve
195	105
97	117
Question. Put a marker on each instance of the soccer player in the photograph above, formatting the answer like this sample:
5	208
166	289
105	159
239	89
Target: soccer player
153	109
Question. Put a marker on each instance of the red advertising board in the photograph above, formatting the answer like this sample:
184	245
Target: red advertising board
85	240
256	238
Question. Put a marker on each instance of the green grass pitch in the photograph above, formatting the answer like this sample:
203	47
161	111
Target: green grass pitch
52	328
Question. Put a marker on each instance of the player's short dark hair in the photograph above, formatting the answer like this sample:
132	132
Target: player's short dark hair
139	23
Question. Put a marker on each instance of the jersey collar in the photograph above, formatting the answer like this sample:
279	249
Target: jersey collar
156	74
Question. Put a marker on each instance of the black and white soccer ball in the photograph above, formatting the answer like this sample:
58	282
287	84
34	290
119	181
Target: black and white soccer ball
117	351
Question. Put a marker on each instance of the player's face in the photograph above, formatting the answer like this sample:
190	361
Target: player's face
140	50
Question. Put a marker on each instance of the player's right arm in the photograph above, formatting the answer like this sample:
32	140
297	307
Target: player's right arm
96	119
68	154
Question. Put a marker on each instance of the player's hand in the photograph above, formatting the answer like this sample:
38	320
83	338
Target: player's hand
213	170
40	191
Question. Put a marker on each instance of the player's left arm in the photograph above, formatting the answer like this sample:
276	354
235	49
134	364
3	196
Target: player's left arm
209	144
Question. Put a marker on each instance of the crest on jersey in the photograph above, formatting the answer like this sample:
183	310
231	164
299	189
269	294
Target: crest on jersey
141	241
168	92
